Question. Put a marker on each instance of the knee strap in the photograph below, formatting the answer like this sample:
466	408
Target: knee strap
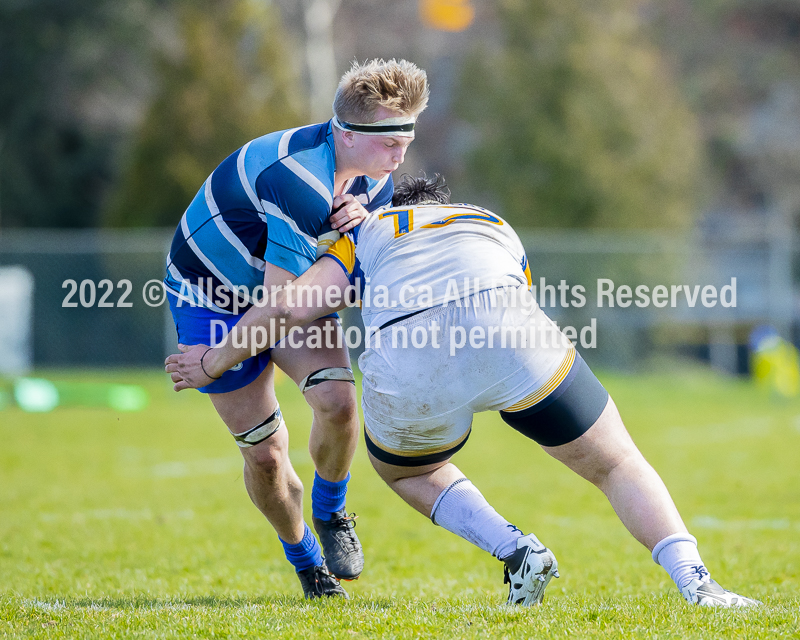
260	432
345	374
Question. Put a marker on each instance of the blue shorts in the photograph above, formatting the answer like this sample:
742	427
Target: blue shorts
193	324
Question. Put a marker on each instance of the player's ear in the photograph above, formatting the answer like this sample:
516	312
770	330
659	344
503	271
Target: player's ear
349	138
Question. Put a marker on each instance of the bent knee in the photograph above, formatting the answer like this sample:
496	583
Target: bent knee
265	458
334	401
599	452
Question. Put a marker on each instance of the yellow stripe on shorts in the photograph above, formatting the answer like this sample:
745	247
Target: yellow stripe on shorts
416	453
542	392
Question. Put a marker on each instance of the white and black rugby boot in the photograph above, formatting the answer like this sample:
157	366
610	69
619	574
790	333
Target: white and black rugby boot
704	592
528	571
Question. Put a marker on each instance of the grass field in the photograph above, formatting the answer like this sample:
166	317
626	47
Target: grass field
115	525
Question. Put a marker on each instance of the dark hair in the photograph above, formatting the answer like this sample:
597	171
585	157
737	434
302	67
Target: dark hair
422	190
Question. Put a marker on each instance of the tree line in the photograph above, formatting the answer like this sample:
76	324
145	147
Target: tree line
113	112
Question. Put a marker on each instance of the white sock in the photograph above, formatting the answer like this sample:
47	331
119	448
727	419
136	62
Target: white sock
462	509
679	556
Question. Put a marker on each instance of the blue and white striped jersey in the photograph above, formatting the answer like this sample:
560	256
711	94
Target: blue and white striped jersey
268	202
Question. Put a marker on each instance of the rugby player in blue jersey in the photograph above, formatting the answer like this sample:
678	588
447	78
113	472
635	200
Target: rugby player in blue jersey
260	220
459	269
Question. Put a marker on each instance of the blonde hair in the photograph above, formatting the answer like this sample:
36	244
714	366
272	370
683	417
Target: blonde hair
398	85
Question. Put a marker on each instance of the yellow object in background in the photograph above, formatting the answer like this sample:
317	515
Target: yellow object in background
446	15
774	362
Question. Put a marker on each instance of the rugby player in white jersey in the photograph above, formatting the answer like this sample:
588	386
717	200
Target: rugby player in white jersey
444	272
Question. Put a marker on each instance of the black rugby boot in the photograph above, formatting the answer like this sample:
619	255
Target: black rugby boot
317	582
340	545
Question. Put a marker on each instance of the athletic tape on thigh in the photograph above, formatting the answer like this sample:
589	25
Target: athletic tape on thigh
345	374
260	432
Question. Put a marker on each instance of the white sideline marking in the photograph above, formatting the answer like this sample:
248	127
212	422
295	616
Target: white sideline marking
719	431
115	514
203	467
60	605
774	524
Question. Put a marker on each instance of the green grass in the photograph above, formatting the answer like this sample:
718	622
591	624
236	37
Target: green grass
137	524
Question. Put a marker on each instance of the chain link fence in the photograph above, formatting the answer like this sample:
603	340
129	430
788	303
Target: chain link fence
91	306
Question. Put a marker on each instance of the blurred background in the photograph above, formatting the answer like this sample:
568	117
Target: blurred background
640	141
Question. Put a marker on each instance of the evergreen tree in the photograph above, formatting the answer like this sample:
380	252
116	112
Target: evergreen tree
58	61
231	82
578	120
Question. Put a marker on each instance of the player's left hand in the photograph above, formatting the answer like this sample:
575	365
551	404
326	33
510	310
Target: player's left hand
348	213
185	368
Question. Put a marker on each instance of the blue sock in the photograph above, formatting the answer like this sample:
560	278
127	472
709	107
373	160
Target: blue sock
305	554
327	497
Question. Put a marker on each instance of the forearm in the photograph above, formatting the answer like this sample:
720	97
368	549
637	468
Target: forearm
253	333
261	327
298	303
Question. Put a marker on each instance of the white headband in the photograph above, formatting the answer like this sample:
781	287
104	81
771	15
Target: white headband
396	126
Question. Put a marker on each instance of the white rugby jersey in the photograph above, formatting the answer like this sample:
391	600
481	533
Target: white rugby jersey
413	258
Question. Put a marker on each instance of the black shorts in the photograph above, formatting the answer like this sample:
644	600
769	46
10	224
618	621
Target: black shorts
567	413
413	461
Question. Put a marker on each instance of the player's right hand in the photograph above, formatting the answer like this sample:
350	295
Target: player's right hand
348	213
186	368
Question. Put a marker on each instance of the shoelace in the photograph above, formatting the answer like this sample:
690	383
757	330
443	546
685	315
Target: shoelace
347	535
